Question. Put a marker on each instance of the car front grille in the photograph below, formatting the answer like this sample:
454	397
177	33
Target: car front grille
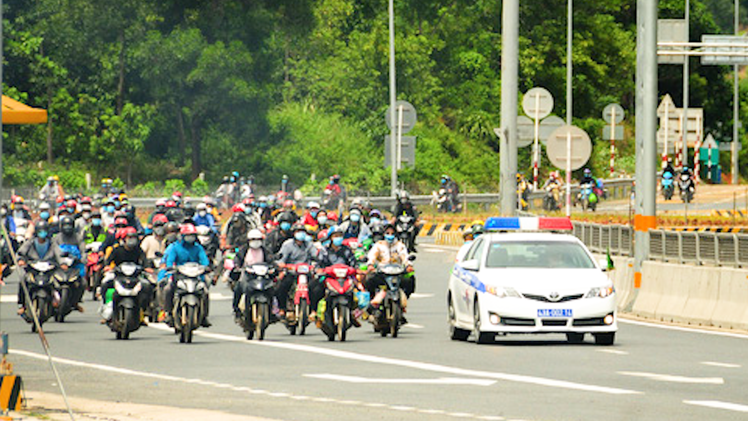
545	299
515	321
554	322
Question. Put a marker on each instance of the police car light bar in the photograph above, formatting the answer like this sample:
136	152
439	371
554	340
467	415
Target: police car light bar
528	224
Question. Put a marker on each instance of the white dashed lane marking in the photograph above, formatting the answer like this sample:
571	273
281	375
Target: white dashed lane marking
723	365
719	405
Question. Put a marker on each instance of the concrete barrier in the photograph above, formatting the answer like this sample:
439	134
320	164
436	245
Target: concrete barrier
650	293
673	279
731	312
624	281
703	287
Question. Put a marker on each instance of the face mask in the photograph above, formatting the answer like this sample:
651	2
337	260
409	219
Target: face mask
44	215
202	213
71	211
263	205
159	231
285	226
313	213
355	217
42	234
190	239
110	209
389	237
96	222
160	208
307	237
116	203
131	242
171	237
375	220
322	219
326	243
300	236
255	244
337	241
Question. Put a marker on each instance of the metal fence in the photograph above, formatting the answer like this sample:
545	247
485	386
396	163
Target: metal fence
699	248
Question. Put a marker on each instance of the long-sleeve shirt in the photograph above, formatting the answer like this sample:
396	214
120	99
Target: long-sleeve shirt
384	252
291	252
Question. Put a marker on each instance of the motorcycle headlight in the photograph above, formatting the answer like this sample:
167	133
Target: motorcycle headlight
181	284
503	292
601	292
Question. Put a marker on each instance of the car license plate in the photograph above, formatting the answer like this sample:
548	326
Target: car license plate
556	312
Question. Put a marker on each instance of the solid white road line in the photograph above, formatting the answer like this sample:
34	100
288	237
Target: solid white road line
723	365
439	381
243	389
414	326
417	295
540	381
612	351
719	405
217	296
8	298
674	379
683	329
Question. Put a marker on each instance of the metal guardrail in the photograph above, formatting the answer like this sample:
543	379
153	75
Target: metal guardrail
600	238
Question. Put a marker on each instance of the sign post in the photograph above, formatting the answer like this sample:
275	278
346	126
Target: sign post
613	114
569	147
537	103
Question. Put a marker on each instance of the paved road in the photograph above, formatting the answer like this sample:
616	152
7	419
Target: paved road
708	198
650	374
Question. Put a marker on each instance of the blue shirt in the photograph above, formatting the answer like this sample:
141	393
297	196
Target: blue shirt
206	220
179	253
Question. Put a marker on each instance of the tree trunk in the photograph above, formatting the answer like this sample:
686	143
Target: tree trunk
121	83
197	165
129	173
50	155
180	130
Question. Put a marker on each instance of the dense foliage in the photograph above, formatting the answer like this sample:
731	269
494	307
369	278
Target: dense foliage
151	90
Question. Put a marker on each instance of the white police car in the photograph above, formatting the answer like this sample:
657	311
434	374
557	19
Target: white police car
517	278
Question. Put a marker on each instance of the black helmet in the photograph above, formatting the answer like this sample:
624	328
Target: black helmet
172	227
189	209
67	225
41	226
225	179
286	217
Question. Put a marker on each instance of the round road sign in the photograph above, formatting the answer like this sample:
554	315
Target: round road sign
581	147
548	126
409	116
525	131
609	111
537	103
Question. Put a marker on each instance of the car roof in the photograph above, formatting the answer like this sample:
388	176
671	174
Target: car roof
530	236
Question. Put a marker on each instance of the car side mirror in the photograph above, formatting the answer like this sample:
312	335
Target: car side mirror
412	257
472	265
603	263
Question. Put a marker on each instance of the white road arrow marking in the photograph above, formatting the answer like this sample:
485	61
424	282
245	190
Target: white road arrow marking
719	405
674	379
217	296
439	381
723	365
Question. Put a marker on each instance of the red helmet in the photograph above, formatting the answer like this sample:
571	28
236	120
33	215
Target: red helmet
161	202
322	236
128	232
86	200
288	204
59	199
238	208
71	203
187	229
171	204
120	222
177	194
332	216
247	201
160	218
17	199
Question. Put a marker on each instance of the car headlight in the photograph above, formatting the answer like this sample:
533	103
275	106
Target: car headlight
601	292
502	292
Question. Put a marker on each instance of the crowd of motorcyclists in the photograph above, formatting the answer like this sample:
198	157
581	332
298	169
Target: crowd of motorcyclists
358	262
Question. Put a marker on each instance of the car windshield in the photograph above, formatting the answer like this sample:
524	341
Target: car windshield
538	254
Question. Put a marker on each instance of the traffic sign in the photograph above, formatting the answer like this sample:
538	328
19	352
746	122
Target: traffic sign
709	142
548	126
409	116
727	44
613	110
525	131
537	103
407	151
609	135
672	30
557	147
666	106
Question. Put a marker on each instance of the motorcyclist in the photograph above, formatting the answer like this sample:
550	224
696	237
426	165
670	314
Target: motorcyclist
173	212
129	251
132	218
51	190
39	248
107	212
332	254
160	210
376	225
293	251
210	205
523	191
355	227
185	250
69	243
172	233
264	211
668	167
405	207
588	179
204	218
235	230
84	219
469	235
7	220
310	216
155	242
222	192
253	252
323	220
278	236
389	250
453	192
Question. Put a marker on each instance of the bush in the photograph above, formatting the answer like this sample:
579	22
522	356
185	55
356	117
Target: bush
199	187
175	184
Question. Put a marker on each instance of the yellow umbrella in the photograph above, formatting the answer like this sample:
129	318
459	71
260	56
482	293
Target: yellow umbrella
15	112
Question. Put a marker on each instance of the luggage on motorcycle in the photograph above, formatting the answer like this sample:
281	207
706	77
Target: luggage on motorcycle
592	198
321	307
363	298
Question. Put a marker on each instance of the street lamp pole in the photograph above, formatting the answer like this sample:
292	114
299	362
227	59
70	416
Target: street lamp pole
393	99
686	72
569	93
735	106
509	93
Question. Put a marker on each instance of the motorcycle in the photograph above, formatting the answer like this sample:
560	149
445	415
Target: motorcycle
127	287
388	318
587	197
43	296
550	200
406	230
443	204
667	185
209	240
190	300
257	299
231	270
686	187
94	265
330	200
297	308
339	283
66	282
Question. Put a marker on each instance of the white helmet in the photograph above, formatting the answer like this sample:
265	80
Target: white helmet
254	234
312	205
201	207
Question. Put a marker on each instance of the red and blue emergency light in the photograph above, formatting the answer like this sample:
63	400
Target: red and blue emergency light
528	224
